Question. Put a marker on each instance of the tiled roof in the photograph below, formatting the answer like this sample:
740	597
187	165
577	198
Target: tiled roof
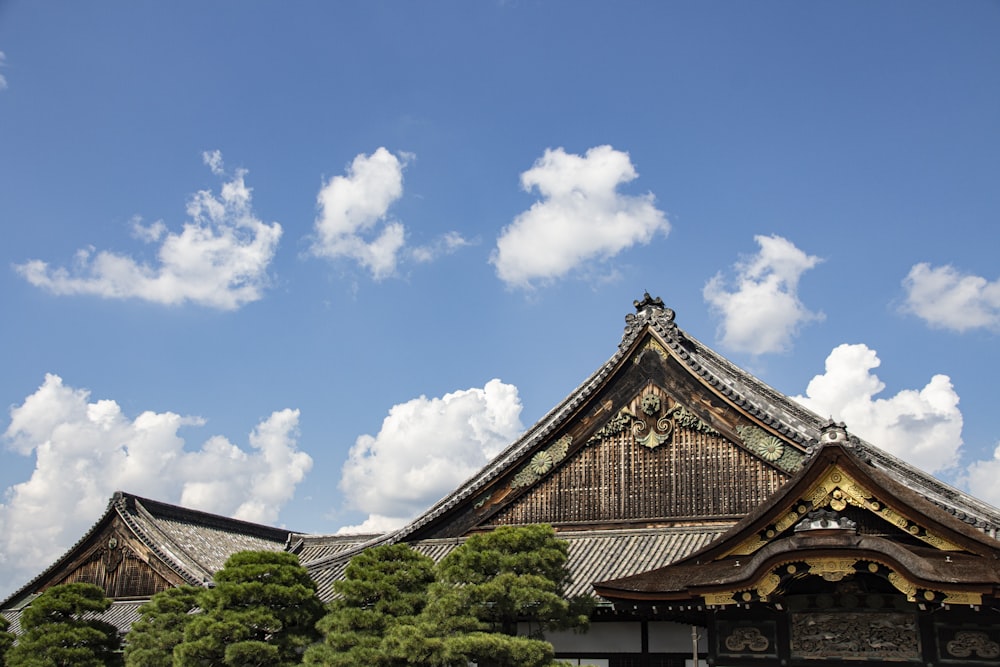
311	548
120	614
593	555
194	544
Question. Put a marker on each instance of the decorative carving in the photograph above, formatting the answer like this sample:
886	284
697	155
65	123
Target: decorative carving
832	569
742	639
836	489
719	599
662	429
767	585
770	447
654	346
542	462
970	642
825	520
652	423
903	585
687	419
865	636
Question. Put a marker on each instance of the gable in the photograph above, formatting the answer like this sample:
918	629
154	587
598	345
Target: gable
654	445
114	559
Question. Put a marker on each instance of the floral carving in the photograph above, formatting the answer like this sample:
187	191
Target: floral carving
769	447
742	639
542	462
969	642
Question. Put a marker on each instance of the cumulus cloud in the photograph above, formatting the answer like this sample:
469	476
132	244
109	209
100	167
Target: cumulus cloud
425	448
945	298
762	313
582	217
354	221
219	259
85	450
922	427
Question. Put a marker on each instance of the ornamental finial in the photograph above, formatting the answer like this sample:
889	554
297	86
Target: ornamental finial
833	433
649	311
647	302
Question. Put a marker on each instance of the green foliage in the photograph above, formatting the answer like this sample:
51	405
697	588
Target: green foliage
514	574
57	632
6	639
261	613
151	640
382	587
496	583
484	592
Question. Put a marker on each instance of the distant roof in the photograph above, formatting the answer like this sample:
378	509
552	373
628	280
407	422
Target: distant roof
192	543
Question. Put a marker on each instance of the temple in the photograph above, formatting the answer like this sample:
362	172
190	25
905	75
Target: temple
711	516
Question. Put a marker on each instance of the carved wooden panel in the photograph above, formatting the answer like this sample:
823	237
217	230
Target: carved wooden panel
855	636
968	643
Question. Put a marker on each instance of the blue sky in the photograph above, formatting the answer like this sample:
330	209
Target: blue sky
313	263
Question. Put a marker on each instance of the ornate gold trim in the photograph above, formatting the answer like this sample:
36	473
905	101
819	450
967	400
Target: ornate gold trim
836	490
653	345
832	569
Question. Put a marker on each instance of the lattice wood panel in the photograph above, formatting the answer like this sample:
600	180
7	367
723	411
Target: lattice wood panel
131	577
616	479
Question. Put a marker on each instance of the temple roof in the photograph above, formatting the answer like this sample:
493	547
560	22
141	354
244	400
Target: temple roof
814	522
192	544
652	326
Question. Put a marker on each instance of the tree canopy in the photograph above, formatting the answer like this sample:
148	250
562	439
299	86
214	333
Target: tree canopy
382	587
58	630
261	612
491	601
151	640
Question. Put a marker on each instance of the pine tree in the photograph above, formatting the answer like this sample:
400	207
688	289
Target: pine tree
151	640
488	589
6	639
58	630
383	587
261	612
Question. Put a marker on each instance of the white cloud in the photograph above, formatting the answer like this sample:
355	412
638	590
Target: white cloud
581	217
922	427
763	313
945	298
85	450
425	448
351	206
219	259
448	244
980	478
214	161
3	63
354	221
